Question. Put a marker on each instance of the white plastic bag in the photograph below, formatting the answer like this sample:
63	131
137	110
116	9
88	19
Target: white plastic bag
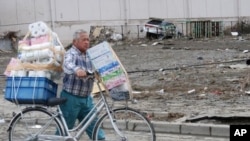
120	92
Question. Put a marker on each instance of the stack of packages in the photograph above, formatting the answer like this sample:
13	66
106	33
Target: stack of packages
110	70
38	64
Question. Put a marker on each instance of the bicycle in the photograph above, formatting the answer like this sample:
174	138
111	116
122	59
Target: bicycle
46	122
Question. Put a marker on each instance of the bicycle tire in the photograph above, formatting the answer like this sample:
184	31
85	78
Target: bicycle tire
132	123
26	124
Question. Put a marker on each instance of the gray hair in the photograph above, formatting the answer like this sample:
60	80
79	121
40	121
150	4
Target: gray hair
77	33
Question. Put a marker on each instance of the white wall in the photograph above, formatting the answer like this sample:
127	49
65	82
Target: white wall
8	12
65	16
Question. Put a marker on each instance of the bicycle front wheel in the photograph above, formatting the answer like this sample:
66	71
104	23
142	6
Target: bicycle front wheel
32	122
132	125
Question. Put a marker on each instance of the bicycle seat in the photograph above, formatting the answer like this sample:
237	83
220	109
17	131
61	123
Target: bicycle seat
56	101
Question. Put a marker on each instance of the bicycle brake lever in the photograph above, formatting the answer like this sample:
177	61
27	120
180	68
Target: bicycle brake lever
89	73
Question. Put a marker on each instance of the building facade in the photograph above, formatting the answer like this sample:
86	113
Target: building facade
65	16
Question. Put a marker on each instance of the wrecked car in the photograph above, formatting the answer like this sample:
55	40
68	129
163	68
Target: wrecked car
159	28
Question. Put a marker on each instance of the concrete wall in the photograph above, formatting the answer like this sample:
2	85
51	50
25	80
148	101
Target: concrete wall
65	16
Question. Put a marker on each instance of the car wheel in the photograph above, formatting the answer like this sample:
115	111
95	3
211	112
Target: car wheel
148	35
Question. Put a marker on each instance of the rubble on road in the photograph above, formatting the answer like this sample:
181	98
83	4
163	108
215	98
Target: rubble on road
99	34
8	41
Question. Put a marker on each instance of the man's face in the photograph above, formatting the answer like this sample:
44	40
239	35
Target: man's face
82	43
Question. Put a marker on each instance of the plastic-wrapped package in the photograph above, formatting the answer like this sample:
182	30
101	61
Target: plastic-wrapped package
120	92
40	53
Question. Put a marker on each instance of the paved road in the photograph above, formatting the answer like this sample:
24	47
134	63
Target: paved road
3	131
160	137
181	137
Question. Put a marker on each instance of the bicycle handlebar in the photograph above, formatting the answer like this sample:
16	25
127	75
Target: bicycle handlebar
90	75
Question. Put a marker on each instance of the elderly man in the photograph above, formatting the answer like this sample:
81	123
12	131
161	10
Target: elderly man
76	88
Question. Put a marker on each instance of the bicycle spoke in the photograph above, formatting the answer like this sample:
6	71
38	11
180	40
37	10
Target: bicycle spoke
131	124
33	122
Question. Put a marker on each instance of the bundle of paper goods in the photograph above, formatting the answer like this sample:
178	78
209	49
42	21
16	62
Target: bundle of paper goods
30	76
110	70
40	54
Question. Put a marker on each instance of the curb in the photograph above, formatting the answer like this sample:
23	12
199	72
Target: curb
192	129
195	129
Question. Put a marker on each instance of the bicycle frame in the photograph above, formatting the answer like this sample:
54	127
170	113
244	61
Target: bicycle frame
82	126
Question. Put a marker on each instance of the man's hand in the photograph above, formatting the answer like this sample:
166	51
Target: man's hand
81	73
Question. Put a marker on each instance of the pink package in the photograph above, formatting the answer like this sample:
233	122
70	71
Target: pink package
115	82
24	42
39	40
13	62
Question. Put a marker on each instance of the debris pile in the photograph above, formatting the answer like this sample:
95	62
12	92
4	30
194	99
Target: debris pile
99	34
8	41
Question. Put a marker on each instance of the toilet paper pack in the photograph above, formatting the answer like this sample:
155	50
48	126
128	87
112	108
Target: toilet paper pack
40	53
38	29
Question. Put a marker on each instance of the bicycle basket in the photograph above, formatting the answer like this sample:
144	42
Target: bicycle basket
29	90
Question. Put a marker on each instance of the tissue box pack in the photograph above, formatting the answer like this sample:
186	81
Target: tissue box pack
107	65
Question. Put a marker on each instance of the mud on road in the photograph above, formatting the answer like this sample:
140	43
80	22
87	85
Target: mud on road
188	79
179	79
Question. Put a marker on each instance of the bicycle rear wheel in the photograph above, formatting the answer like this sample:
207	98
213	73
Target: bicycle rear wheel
132	124
33	122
